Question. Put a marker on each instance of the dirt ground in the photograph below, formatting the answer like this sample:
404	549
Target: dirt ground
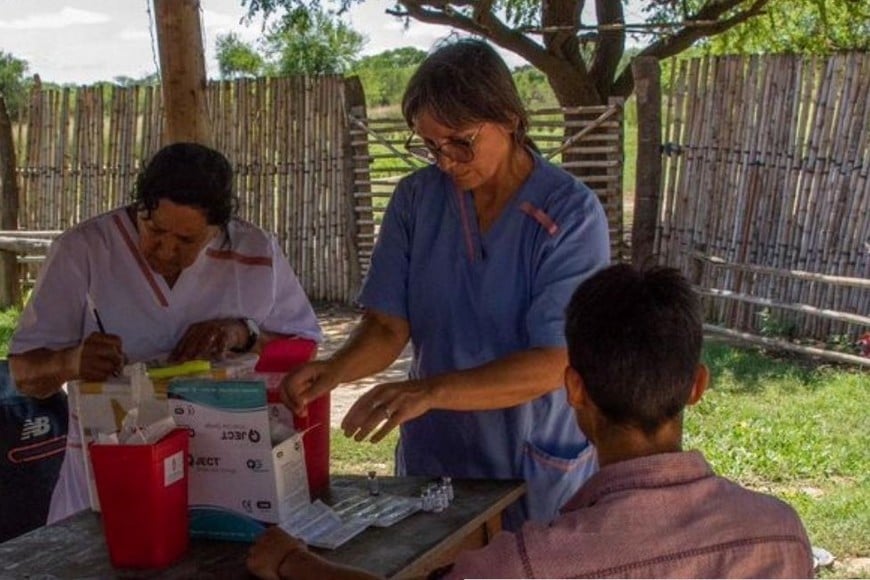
337	323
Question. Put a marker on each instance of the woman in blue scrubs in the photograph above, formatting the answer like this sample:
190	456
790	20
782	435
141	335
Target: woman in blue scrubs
475	263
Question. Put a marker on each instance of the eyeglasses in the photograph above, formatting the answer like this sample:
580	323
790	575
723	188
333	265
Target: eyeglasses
455	149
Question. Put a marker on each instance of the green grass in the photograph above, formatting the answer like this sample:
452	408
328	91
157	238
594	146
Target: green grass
348	456
796	431
8	320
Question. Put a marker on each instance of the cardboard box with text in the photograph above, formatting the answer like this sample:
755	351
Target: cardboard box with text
245	471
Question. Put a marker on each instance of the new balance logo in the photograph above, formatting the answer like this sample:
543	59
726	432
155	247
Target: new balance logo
35	427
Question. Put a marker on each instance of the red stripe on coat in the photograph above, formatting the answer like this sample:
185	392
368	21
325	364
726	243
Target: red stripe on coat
143	265
241	258
541	217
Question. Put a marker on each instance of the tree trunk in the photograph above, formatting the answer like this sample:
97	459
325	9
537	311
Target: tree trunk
9	291
182	68
647	191
567	73
573	88
355	103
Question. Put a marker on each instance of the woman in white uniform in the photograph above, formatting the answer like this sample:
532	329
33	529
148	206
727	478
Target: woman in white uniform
172	274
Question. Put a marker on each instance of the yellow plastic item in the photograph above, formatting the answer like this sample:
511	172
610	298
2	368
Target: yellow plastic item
191	367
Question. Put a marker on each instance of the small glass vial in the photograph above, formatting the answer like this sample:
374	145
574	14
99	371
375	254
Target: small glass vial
426	499
373	484
440	500
447	484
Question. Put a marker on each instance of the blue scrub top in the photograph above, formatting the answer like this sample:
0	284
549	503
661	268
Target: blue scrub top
473	297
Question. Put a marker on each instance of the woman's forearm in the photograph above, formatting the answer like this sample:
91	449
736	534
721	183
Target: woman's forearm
506	382
42	372
375	343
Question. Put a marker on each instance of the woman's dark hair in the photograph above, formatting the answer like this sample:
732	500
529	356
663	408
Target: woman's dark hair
635	338
464	82
188	174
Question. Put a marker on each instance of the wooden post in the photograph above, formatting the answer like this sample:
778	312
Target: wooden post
9	290
647	190
696	264
182	68
354	101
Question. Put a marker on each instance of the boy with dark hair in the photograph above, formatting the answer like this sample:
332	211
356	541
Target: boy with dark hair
653	510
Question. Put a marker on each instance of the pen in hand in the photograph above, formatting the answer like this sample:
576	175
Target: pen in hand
95	313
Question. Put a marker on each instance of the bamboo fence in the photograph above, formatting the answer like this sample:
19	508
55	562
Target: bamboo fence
79	150
309	165
593	133
766	198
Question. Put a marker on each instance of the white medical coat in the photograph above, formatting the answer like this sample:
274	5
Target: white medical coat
247	277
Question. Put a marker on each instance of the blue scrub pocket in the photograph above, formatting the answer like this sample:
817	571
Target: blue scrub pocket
551	480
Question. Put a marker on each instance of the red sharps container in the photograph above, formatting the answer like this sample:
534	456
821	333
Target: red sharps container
143	498
282	356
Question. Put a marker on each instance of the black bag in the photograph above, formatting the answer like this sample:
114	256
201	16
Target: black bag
32	445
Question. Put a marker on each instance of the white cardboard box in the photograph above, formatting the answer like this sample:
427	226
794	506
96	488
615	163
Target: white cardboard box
241	478
100	407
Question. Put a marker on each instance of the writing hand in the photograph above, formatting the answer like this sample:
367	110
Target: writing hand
100	356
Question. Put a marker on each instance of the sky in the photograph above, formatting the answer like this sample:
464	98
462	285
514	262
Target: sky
84	41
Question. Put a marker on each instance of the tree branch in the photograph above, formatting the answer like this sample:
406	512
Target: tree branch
484	23
566	77
685	37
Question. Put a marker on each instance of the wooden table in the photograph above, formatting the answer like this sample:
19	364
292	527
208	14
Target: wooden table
75	547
